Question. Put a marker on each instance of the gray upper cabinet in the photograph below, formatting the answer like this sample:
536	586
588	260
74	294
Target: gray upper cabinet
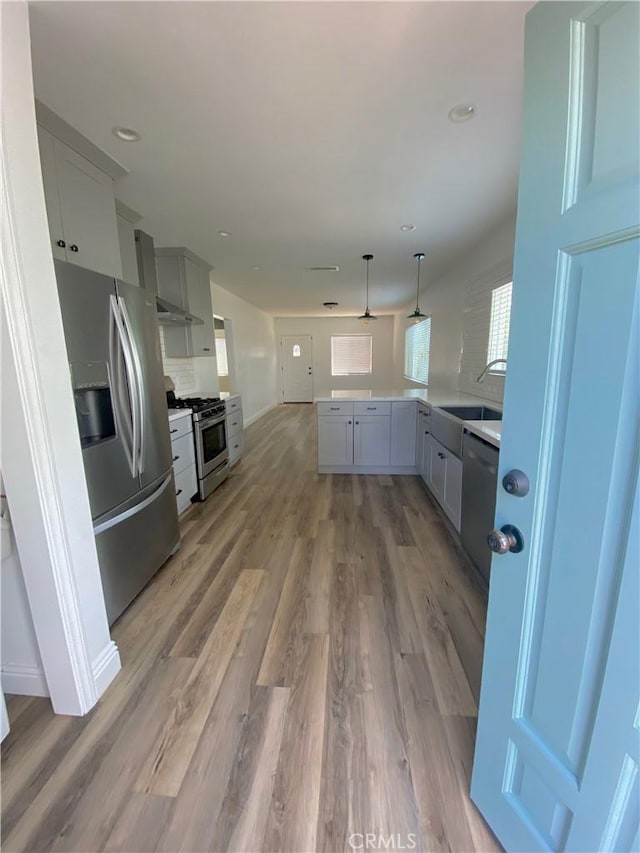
127	223
183	279
80	207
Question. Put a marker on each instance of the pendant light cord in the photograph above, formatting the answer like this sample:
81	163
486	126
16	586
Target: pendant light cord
367	305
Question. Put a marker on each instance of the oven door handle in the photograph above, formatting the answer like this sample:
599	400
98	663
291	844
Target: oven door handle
202	425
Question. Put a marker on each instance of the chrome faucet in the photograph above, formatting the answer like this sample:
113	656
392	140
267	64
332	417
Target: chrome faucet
489	366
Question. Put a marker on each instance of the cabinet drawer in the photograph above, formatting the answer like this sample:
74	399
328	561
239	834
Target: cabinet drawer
180	426
186	487
329	409
234	423
372	408
233	404
235	447
182	453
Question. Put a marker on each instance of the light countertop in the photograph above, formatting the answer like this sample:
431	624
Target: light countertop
228	395
490	431
174	414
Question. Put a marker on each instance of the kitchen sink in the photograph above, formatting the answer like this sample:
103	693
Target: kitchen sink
473	413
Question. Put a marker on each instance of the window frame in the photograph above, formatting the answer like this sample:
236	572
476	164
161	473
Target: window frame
411	328
501	348
366	335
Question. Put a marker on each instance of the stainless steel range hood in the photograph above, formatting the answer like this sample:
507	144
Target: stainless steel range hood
168	314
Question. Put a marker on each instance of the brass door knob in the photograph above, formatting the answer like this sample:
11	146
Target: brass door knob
507	538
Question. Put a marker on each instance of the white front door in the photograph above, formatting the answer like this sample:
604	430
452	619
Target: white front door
296	362
557	764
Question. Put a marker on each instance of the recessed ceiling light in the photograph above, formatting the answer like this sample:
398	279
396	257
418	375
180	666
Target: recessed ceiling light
255	268
407	227
224	233
463	112
126	134
324	269
330	305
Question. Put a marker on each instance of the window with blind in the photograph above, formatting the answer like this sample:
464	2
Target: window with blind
417	344
499	327
351	355
221	355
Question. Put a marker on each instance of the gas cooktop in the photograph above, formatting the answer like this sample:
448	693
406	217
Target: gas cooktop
197	404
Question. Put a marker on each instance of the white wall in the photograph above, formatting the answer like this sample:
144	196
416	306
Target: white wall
21	664
322	328
191	376
41	455
251	349
445	300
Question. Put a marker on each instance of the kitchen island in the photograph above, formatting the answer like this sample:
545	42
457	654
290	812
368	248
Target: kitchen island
405	431
364	403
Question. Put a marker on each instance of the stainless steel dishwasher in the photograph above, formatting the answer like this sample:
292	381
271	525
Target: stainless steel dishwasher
479	483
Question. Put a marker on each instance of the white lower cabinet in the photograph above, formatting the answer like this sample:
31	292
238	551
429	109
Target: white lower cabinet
371	440
186	487
377	436
236	447
452	504
443	475
184	460
423	458
403	433
235	429
335	440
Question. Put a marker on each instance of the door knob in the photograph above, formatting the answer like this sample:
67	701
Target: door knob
73	247
516	483
507	538
61	243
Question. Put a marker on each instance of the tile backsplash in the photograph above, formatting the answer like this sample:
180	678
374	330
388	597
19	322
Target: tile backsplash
475	336
181	370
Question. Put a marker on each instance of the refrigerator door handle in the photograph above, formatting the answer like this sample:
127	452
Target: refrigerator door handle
139	386
118	351
134	510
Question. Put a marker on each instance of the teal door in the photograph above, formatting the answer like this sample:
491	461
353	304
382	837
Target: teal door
557	752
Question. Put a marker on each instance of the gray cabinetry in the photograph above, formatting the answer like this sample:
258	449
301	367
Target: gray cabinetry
127	219
80	207
403	433
235	429
183	279
443	475
184	461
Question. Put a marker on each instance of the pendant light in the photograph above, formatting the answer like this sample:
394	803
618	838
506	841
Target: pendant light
367	314
417	315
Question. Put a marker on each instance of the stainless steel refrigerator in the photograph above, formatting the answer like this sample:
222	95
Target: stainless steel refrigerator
111	332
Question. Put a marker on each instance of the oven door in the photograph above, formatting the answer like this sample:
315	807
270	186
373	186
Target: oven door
211	444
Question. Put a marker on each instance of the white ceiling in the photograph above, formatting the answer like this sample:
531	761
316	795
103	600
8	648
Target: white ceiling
311	131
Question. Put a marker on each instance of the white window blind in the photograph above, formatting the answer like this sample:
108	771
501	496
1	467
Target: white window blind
417	344
221	356
350	355
499	327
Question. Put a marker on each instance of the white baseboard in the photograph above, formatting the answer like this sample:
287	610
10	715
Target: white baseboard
105	667
260	414
367	469
23	680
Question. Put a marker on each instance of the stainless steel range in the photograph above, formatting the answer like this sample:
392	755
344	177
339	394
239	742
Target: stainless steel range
210	436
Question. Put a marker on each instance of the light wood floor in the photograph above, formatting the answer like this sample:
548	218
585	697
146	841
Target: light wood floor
306	667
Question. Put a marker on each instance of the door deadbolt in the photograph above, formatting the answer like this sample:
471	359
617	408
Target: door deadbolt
516	483
507	538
